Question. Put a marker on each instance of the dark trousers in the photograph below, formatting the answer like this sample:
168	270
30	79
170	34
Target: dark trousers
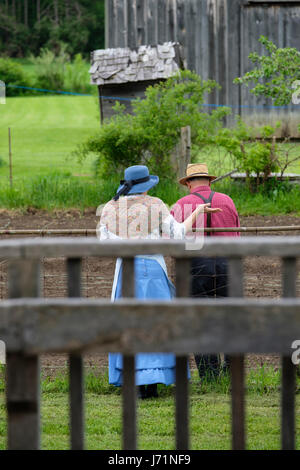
209	278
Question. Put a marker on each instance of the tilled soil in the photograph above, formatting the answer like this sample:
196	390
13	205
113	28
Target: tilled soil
262	274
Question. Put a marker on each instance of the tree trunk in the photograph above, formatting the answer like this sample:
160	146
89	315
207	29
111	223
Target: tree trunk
67	9
14	8
26	13
56	18
38	11
78	9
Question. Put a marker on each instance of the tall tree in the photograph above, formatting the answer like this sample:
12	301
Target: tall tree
67	9
14	8
38	11
56	17
26	13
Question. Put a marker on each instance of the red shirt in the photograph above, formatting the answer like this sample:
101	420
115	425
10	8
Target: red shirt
227	218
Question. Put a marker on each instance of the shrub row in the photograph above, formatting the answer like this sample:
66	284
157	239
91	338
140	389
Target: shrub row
50	71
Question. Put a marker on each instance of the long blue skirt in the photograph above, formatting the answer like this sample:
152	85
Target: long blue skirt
151	282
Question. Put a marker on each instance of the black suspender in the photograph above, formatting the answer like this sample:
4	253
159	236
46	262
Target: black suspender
207	201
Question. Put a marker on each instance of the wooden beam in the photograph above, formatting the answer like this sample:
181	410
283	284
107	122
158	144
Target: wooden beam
233	326
215	246
90	231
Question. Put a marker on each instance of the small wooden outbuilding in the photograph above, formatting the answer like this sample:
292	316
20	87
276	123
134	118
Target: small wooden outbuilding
123	74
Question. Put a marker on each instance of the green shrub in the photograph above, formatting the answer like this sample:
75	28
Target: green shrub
152	132
50	68
282	198
77	77
254	151
56	190
12	73
275	73
56	71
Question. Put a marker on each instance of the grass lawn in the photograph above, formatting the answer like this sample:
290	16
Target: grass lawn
210	425
45	130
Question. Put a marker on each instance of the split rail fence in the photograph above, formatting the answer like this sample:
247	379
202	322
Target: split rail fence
31	326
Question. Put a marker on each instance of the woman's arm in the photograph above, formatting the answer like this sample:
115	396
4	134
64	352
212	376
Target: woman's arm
173	229
202	208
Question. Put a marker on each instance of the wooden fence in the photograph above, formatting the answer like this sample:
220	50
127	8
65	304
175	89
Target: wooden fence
90	232
30	326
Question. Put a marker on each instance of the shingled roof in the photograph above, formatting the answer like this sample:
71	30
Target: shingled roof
124	65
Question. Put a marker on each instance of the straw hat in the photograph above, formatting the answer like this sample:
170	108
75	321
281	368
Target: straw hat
196	169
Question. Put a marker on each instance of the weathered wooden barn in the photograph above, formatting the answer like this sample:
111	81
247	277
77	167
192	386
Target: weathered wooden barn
217	37
126	73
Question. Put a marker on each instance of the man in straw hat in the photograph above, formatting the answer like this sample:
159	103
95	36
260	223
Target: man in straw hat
209	275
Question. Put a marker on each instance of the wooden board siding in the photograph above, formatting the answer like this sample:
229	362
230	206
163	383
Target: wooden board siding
217	37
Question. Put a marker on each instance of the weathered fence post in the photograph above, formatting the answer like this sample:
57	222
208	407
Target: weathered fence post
182	395
289	276
237	364
76	366
23	372
181	156
129	388
10	158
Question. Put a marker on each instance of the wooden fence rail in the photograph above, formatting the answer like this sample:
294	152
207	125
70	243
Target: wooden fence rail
92	232
30	326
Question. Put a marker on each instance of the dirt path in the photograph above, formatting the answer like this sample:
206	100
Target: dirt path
262	275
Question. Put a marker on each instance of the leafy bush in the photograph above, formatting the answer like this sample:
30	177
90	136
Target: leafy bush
51	68
252	150
151	133
58	72
77	77
275	73
11	73
281	198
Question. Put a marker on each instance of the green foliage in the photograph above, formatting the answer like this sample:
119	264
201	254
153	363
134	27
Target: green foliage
80	24
273	198
56	190
11	73
51	68
76	78
260	379
65	191
254	151
152	132
120	142
275	73
51	71
59	72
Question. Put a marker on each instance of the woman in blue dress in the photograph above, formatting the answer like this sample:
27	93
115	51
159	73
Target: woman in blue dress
134	214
